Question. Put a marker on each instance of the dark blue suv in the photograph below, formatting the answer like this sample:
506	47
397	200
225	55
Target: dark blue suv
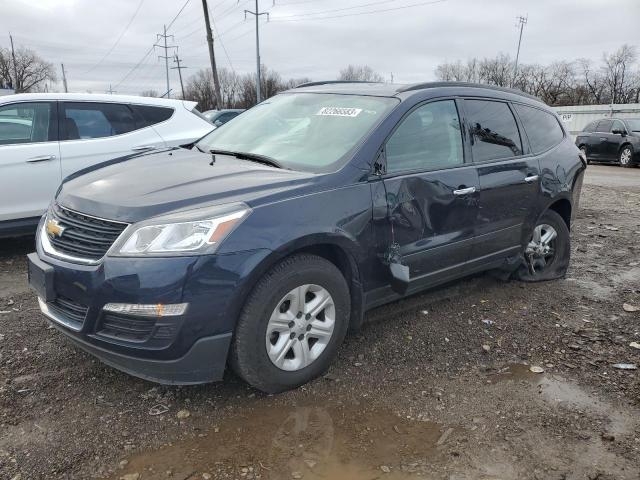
264	243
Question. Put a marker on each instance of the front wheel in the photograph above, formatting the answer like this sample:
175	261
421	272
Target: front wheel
547	254
626	156
583	149
292	324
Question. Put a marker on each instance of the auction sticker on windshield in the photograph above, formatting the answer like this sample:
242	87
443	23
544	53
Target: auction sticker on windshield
339	112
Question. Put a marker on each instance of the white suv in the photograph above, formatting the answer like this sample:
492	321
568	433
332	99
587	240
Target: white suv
44	137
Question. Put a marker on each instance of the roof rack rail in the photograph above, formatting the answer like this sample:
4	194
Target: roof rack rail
421	86
329	82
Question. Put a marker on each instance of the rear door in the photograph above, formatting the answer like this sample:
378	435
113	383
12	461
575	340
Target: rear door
598	139
93	132
29	159
509	179
432	194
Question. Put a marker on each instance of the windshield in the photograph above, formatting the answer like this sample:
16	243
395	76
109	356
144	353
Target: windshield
634	124
302	131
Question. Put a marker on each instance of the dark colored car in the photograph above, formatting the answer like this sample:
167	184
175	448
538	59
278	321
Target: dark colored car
265	243
614	140
220	117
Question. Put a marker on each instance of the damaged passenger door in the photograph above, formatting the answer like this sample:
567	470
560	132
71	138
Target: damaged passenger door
431	195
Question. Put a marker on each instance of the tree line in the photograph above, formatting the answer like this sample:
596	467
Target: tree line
614	79
239	91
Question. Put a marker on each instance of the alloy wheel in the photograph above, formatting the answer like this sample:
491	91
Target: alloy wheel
541	248
300	327
625	156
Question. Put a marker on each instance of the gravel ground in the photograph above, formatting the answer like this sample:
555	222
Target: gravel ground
436	386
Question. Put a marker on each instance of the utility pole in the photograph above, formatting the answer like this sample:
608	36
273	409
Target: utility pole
391	77
64	79
15	67
177	60
111	91
212	57
522	21
257	14
166	56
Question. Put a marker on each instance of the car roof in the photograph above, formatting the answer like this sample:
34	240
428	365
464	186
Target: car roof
98	97
400	90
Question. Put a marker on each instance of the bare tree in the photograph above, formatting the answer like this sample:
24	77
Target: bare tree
617	75
150	93
31	70
360	73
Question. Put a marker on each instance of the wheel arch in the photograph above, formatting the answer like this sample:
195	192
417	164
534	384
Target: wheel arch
562	207
337	249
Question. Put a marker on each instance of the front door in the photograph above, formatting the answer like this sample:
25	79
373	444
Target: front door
509	181
598	138
432	194
29	159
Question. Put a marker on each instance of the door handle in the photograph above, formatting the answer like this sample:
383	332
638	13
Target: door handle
464	191
531	178
142	148
604	139
41	158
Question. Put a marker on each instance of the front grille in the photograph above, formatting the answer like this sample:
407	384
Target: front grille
71	310
133	329
84	236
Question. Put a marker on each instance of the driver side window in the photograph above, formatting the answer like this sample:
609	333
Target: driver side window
429	138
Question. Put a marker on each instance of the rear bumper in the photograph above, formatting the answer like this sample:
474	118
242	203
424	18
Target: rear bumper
204	361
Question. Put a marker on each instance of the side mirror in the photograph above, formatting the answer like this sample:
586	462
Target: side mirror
217	123
619	131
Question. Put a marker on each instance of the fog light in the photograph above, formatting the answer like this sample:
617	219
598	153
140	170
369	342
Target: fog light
157	310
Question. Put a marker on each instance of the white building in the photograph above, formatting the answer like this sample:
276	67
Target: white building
575	118
6	91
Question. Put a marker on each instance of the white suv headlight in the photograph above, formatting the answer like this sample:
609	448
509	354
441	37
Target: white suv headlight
194	232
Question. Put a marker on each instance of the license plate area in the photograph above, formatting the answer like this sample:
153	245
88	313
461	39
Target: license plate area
41	278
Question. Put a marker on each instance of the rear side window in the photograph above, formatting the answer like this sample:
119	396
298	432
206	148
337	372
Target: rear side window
604	126
493	129
86	120
429	138
617	126
26	123
591	127
542	128
150	115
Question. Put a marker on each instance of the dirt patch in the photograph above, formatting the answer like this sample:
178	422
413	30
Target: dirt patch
436	386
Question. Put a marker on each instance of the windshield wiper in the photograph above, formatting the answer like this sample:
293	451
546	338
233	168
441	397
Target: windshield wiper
252	157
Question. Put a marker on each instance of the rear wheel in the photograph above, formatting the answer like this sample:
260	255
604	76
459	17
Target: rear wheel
626	156
292	324
547	254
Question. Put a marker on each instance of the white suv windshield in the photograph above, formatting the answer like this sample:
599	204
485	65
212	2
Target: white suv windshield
302	131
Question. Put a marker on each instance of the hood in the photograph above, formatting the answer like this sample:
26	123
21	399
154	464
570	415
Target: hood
154	184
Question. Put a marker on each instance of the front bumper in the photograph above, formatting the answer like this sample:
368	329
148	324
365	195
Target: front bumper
187	349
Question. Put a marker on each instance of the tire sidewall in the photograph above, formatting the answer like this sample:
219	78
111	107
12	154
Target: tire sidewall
252	360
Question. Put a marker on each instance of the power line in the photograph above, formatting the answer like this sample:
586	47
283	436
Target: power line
359	13
337	9
213	20
115	44
178	14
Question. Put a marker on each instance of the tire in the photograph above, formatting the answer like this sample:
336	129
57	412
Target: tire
583	149
625	157
555	266
279	289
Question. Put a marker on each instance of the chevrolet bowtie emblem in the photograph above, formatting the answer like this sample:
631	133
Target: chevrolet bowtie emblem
54	229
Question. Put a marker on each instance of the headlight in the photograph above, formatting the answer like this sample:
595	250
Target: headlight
194	232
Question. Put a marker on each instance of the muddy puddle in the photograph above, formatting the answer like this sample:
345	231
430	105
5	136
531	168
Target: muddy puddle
559	392
310	442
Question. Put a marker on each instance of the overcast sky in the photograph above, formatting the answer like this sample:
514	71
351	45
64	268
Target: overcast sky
408	42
